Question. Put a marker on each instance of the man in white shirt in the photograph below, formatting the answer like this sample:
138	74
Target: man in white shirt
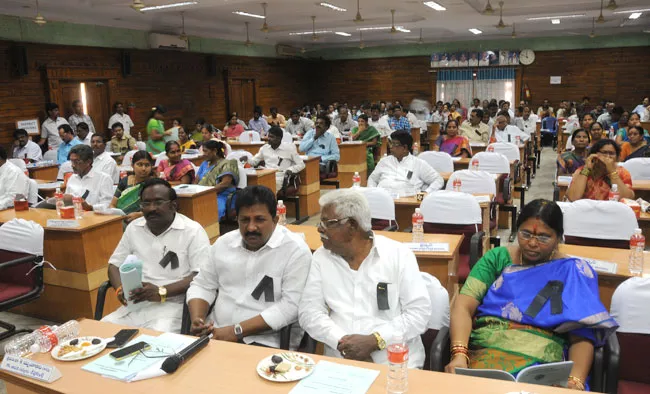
24	148
640	109
528	122
344	123
121	117
476	105
259	272
475	130
298	125
546	106
401	172
103	161
493	110
50	127
378	122
13	181
412	118
283	157
79	116
172	248
83	133
363	289
504	132
95	187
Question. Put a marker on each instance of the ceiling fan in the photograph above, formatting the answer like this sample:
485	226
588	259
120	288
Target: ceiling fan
361	43
601	18
419	40
314	37
501	25
39	20
248	42
393	30
265	26
612	5
593	28
514	33
358	18
138	5
183	36
488	9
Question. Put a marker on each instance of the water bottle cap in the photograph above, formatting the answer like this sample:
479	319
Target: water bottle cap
614	187
35	348
417	210
280	202
638	231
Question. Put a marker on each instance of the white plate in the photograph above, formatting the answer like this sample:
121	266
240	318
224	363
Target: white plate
88	351
301	366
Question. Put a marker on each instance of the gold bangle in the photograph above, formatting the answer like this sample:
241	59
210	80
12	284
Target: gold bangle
586	172
614	173
578	382
462	354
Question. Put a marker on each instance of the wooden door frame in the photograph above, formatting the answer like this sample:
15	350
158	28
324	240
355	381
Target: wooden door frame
229	76
55	73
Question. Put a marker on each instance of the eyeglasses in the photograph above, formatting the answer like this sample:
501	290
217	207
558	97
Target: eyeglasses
604	153
155	203
331	223
395	145
542	239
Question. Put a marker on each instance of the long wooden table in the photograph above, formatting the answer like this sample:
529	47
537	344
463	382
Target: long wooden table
264	177
252	147
80	256
607	283
47	173
227	367
353	159
641	189
202	207
442	265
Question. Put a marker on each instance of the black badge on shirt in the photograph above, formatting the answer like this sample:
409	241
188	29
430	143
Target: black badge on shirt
322	146
279	161
382	296
553	292
265	286
169	258
409	175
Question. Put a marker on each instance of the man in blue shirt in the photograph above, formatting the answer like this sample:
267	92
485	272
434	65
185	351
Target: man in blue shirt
68	140
318	142
258	123
399	122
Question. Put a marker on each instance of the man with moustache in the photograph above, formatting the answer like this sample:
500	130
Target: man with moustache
259	272
363	289
172	248
24	148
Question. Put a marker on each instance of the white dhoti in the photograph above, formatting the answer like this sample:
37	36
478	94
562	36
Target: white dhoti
165	317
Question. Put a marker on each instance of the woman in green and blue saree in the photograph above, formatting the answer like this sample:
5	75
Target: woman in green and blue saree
127	194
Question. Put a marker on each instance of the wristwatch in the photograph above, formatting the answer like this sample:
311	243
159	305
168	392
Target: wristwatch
239	332
162	292
381	344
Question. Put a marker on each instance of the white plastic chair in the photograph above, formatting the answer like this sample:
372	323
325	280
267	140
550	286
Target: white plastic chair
492	162
141	145
439	161
64	169
128	158
439	302
382	205
510	151
630	306
250	136
238	154
20	163
639	168
449	207
50	155
32	196
22	236
606	220
287	138
243	178
162	156
473	182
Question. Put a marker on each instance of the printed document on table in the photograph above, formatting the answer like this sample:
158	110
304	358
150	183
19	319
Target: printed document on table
333	378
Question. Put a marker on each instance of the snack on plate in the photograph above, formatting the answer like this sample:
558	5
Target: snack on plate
65	349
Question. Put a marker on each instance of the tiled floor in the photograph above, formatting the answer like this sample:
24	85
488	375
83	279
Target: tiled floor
541	187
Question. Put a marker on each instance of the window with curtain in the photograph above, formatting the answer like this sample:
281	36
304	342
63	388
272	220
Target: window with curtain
497	83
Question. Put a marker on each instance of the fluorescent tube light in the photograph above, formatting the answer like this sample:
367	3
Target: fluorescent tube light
555	21
344	34
635	15
435	6
242	13
162	7
476	31
333	7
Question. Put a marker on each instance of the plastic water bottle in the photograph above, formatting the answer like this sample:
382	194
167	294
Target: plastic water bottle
282	213
490	148
637	245
475	164
398	357
123	174
78	207
43	339
418	226
58	195
457	184
162	176
518	140
416	149
614	195
356	180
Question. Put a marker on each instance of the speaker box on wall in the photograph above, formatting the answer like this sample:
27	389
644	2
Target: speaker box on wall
212	65
19	62
126	64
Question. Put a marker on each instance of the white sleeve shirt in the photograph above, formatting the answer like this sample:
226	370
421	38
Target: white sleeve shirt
284	158
409	175
98	185
126	121
382	126
235	272
50	130
339	301
510	134
106	164
31	150
13	181
184	237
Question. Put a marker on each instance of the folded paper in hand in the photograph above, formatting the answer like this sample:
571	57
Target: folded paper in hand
131	276
551	374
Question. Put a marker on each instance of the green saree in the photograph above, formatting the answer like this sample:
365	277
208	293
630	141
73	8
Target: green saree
368	135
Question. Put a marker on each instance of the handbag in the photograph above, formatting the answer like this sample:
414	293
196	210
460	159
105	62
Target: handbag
290	186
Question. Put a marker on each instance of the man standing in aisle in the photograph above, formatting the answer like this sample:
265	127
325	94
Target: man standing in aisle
50	127
120	117
79	116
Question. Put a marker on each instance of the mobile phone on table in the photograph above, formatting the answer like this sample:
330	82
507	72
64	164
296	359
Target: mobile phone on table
122	337
129	350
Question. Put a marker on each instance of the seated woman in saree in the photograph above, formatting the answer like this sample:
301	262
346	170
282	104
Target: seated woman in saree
127	194
530	304
568	162
453	143
219	172
370	136
175	168
594	180
185	141
636	147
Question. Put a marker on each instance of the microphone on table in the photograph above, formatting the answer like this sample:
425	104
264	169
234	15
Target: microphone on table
171	363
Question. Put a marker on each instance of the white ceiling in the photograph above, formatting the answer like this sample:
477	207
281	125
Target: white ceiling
214	19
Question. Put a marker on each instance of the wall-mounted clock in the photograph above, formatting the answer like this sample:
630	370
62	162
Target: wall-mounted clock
527	57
